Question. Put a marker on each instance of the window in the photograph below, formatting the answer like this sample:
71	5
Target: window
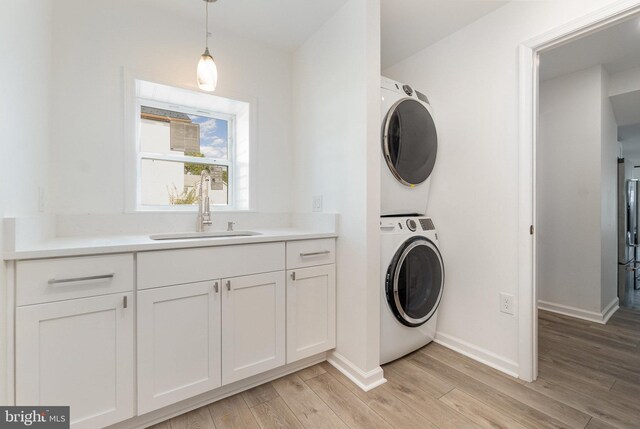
179	135
175	147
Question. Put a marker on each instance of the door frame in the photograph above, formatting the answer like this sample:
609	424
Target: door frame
529	53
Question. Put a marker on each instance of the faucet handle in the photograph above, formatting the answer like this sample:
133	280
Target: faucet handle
230	226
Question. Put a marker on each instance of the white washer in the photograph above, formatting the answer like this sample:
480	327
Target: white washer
409	148
412	285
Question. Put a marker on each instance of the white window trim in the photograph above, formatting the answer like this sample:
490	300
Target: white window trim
131	113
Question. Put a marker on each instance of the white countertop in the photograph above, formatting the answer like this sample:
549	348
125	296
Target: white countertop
80	246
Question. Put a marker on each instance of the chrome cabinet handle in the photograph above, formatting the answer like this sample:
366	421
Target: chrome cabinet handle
215	287
54	282
293	275
323	252
228	283
125	301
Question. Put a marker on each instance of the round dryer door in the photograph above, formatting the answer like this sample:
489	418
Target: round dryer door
410	141
414	281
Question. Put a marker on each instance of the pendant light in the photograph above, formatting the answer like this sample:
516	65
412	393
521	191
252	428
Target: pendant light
207	74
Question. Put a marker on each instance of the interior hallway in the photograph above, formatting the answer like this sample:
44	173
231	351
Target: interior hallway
589	377
635	300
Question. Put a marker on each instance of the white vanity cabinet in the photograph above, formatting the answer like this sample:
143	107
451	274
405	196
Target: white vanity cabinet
311	298
170	326
178	343
76	351
208	317
253	321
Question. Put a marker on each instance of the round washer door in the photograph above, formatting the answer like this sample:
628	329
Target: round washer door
410	141
414	281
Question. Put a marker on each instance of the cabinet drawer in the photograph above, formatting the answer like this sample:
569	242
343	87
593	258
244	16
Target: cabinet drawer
307	253
173	267
48	280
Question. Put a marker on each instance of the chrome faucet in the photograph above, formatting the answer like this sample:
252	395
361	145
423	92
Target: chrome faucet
204	207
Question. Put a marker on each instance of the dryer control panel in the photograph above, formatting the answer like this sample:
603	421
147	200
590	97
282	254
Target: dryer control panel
407	224
427	224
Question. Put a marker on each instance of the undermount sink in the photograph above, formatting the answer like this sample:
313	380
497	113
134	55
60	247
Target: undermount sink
196	235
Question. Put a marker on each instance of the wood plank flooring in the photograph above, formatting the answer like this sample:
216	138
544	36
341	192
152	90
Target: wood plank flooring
589	377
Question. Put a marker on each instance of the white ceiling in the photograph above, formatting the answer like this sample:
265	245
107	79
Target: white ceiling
408	26
617	48
283	24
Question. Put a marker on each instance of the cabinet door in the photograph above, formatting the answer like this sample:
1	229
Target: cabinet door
78	353
311	311
178	343
253	316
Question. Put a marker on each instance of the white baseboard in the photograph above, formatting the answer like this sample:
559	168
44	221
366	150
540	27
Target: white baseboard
477	353
610	309
364	380
579	313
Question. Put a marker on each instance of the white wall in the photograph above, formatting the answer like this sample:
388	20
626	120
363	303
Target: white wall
471	78
24	127
624	81
577	192
24	105
91	47
609	198
336	134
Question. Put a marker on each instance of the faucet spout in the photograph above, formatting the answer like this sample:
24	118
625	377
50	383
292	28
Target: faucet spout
204	205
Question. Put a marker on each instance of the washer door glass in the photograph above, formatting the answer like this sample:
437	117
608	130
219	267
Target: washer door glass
415	281
410	142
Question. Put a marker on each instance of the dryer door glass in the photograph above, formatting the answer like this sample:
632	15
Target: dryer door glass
410	142
415	281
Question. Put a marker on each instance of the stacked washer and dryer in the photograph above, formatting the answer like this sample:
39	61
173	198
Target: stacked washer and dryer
411	264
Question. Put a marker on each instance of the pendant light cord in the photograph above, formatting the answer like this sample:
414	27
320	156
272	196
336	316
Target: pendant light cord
206	25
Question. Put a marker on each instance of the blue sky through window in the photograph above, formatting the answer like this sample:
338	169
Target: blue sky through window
214	136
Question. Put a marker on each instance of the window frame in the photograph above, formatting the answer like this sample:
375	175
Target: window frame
229	162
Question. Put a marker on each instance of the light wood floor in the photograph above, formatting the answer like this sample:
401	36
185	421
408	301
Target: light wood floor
589	377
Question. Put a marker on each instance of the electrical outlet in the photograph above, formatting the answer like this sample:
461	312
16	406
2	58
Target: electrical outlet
507	304
317	203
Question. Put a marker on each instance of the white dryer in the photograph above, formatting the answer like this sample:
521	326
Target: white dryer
412	285
409	148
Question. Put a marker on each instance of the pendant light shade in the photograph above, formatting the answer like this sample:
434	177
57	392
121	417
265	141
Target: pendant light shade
207	74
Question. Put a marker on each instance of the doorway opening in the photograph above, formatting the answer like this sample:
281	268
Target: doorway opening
569	179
